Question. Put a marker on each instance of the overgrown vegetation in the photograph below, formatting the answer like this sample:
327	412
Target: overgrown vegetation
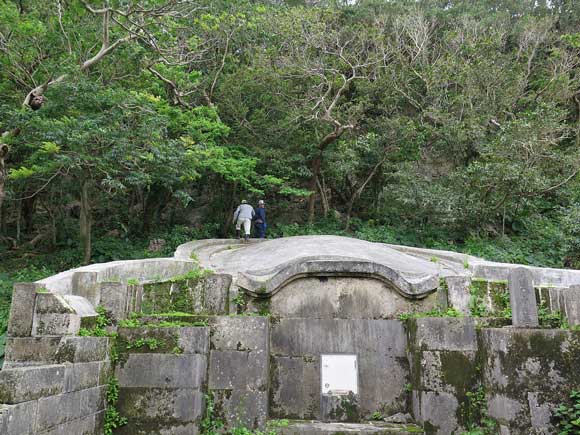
551	319
451	127
212	425
568	415
113	419
102	321
478	420
150	343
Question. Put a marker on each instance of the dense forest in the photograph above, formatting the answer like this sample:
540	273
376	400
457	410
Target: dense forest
130	126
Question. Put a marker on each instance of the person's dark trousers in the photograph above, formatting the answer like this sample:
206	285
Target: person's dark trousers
260	231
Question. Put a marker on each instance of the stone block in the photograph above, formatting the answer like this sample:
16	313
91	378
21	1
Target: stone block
52	303
231	369
83	349
81	426
443	333
100	423
114	298
161	404
18	419
340	408
447	371
540	411
144	427
239	333
56	324
215	290
190	340
22	310
92	400
242	408
85	284
572	305
522	298
293	337
520	360
29	351
162	371
458	293
503	408
291	399
382	382
194	340
29	383
55	350
439	410
81	376
57	410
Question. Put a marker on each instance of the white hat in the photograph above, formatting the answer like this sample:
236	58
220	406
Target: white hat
244	201
261	202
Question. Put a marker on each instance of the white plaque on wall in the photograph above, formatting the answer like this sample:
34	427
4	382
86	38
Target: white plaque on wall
339	374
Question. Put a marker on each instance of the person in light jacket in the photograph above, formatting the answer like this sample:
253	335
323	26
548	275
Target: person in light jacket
243	217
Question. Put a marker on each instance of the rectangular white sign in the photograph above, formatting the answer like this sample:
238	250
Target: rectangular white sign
339	374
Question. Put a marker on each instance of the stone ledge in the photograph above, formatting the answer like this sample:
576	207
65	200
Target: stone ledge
31	383
154	370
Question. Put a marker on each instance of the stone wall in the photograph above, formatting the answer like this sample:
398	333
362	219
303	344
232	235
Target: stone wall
166	375
296	346
54	386
162	382
238	369
527	374
346	298
523	373
443	359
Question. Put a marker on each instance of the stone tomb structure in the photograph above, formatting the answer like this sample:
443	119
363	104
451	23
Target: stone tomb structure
330	333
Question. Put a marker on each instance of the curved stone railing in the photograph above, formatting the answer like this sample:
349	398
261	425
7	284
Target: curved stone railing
266	283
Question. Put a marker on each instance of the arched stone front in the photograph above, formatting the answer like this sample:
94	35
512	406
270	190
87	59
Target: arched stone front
327	297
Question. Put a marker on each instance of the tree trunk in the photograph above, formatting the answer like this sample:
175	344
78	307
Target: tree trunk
28	211
358	191
323	196
154	203
3	174
331	137
85	222
316	164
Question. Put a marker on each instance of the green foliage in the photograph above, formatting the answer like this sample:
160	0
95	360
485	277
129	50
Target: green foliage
149	342
103	320
568	415
551	319
194	275
130	323
211	425
113	419
478	420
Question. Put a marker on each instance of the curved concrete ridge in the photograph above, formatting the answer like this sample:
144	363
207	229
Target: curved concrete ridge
264	267
257	283
468	265
148	269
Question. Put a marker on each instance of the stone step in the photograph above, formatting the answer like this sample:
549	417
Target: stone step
320	428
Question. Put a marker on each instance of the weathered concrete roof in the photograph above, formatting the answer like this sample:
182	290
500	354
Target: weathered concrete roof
264	267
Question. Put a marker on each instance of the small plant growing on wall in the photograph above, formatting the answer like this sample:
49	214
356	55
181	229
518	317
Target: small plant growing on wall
568	415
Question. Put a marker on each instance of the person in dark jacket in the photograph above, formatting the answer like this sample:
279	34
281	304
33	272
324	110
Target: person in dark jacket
260	220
